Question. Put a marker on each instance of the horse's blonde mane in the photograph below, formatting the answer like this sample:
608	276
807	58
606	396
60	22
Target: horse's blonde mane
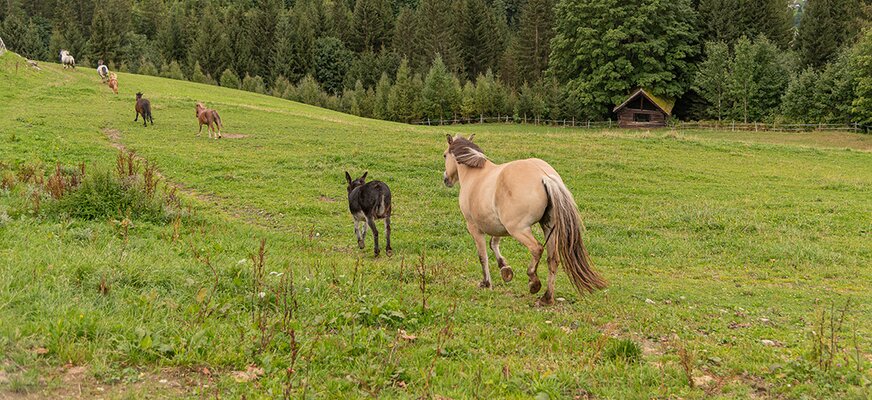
467	153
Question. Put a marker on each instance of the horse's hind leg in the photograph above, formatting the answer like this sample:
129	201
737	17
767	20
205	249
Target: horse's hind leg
371	222
481	247
551	247
505	270
525	236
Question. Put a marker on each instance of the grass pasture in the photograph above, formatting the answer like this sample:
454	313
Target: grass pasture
730	259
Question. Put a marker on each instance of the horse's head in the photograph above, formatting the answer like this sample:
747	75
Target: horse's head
356	183
199	108
450	176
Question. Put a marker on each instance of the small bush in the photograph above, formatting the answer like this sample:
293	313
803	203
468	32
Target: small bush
624	350
103	194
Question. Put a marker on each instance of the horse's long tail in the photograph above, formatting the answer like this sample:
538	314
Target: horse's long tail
566	231
217	119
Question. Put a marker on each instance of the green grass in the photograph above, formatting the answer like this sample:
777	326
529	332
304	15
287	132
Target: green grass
711	243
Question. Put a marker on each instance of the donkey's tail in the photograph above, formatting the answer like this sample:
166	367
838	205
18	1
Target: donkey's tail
566	231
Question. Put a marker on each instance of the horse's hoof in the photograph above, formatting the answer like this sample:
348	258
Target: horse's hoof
545	301
535	287
360	245
507	273
389	252
377	251
485	285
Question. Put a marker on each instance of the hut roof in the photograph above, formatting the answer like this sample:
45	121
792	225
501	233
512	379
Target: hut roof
662	103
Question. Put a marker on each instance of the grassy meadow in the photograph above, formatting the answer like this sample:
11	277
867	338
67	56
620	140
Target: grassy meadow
738	263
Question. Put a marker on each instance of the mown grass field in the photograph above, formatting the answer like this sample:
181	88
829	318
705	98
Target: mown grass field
723	253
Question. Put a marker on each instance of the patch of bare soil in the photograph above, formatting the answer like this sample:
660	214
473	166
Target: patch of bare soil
233	135
327	199
114	136
76	382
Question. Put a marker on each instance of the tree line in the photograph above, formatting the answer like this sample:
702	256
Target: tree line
405	60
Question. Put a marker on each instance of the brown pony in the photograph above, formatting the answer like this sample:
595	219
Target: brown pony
208	117
507	200
113	82
143	107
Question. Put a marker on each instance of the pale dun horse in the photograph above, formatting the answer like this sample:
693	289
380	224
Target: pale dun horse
502	200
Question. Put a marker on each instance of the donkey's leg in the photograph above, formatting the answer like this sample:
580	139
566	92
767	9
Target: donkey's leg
505	270
481	247
370	220
525	236
388	236
357	233
137	117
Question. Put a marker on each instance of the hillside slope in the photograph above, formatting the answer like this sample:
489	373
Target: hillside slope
722	250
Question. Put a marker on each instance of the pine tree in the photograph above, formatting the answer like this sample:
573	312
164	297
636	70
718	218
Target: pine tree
261	29
771	78
340	22
467	102
281	88
603	49
209	46
172	35
309	91
713	77
480	35
199	76
536	28
440	95
294	47
331	63
862	64
728	20
826	25
372	24
436	33
33	43
105	40
836	86
172	70
404	33
253	84
405	95
147	68
524	106
380	108
229	79
490	96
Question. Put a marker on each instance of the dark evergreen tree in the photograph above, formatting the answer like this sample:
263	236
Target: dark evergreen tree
172	35
105	41
480	33
532	47
340	22
380	108
825	27
294	48
436	33
331	63
440	95
210	46
405	95
372	25
404	33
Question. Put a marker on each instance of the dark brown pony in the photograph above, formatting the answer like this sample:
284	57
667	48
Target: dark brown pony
208	117
143	107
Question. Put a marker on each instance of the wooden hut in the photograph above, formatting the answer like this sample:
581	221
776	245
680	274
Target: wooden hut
643	110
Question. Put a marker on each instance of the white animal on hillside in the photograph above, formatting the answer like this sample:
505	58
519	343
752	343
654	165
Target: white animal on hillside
67	59
103	71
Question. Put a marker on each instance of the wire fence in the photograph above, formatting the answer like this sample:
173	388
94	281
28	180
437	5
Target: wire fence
678	125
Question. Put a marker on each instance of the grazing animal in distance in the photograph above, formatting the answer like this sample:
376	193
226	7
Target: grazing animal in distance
210	118
143	107
103	71
67	60
502	200
369	201
113	82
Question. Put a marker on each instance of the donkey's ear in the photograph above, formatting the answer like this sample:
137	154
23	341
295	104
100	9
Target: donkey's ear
450	139
471	137
347	177
363	177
